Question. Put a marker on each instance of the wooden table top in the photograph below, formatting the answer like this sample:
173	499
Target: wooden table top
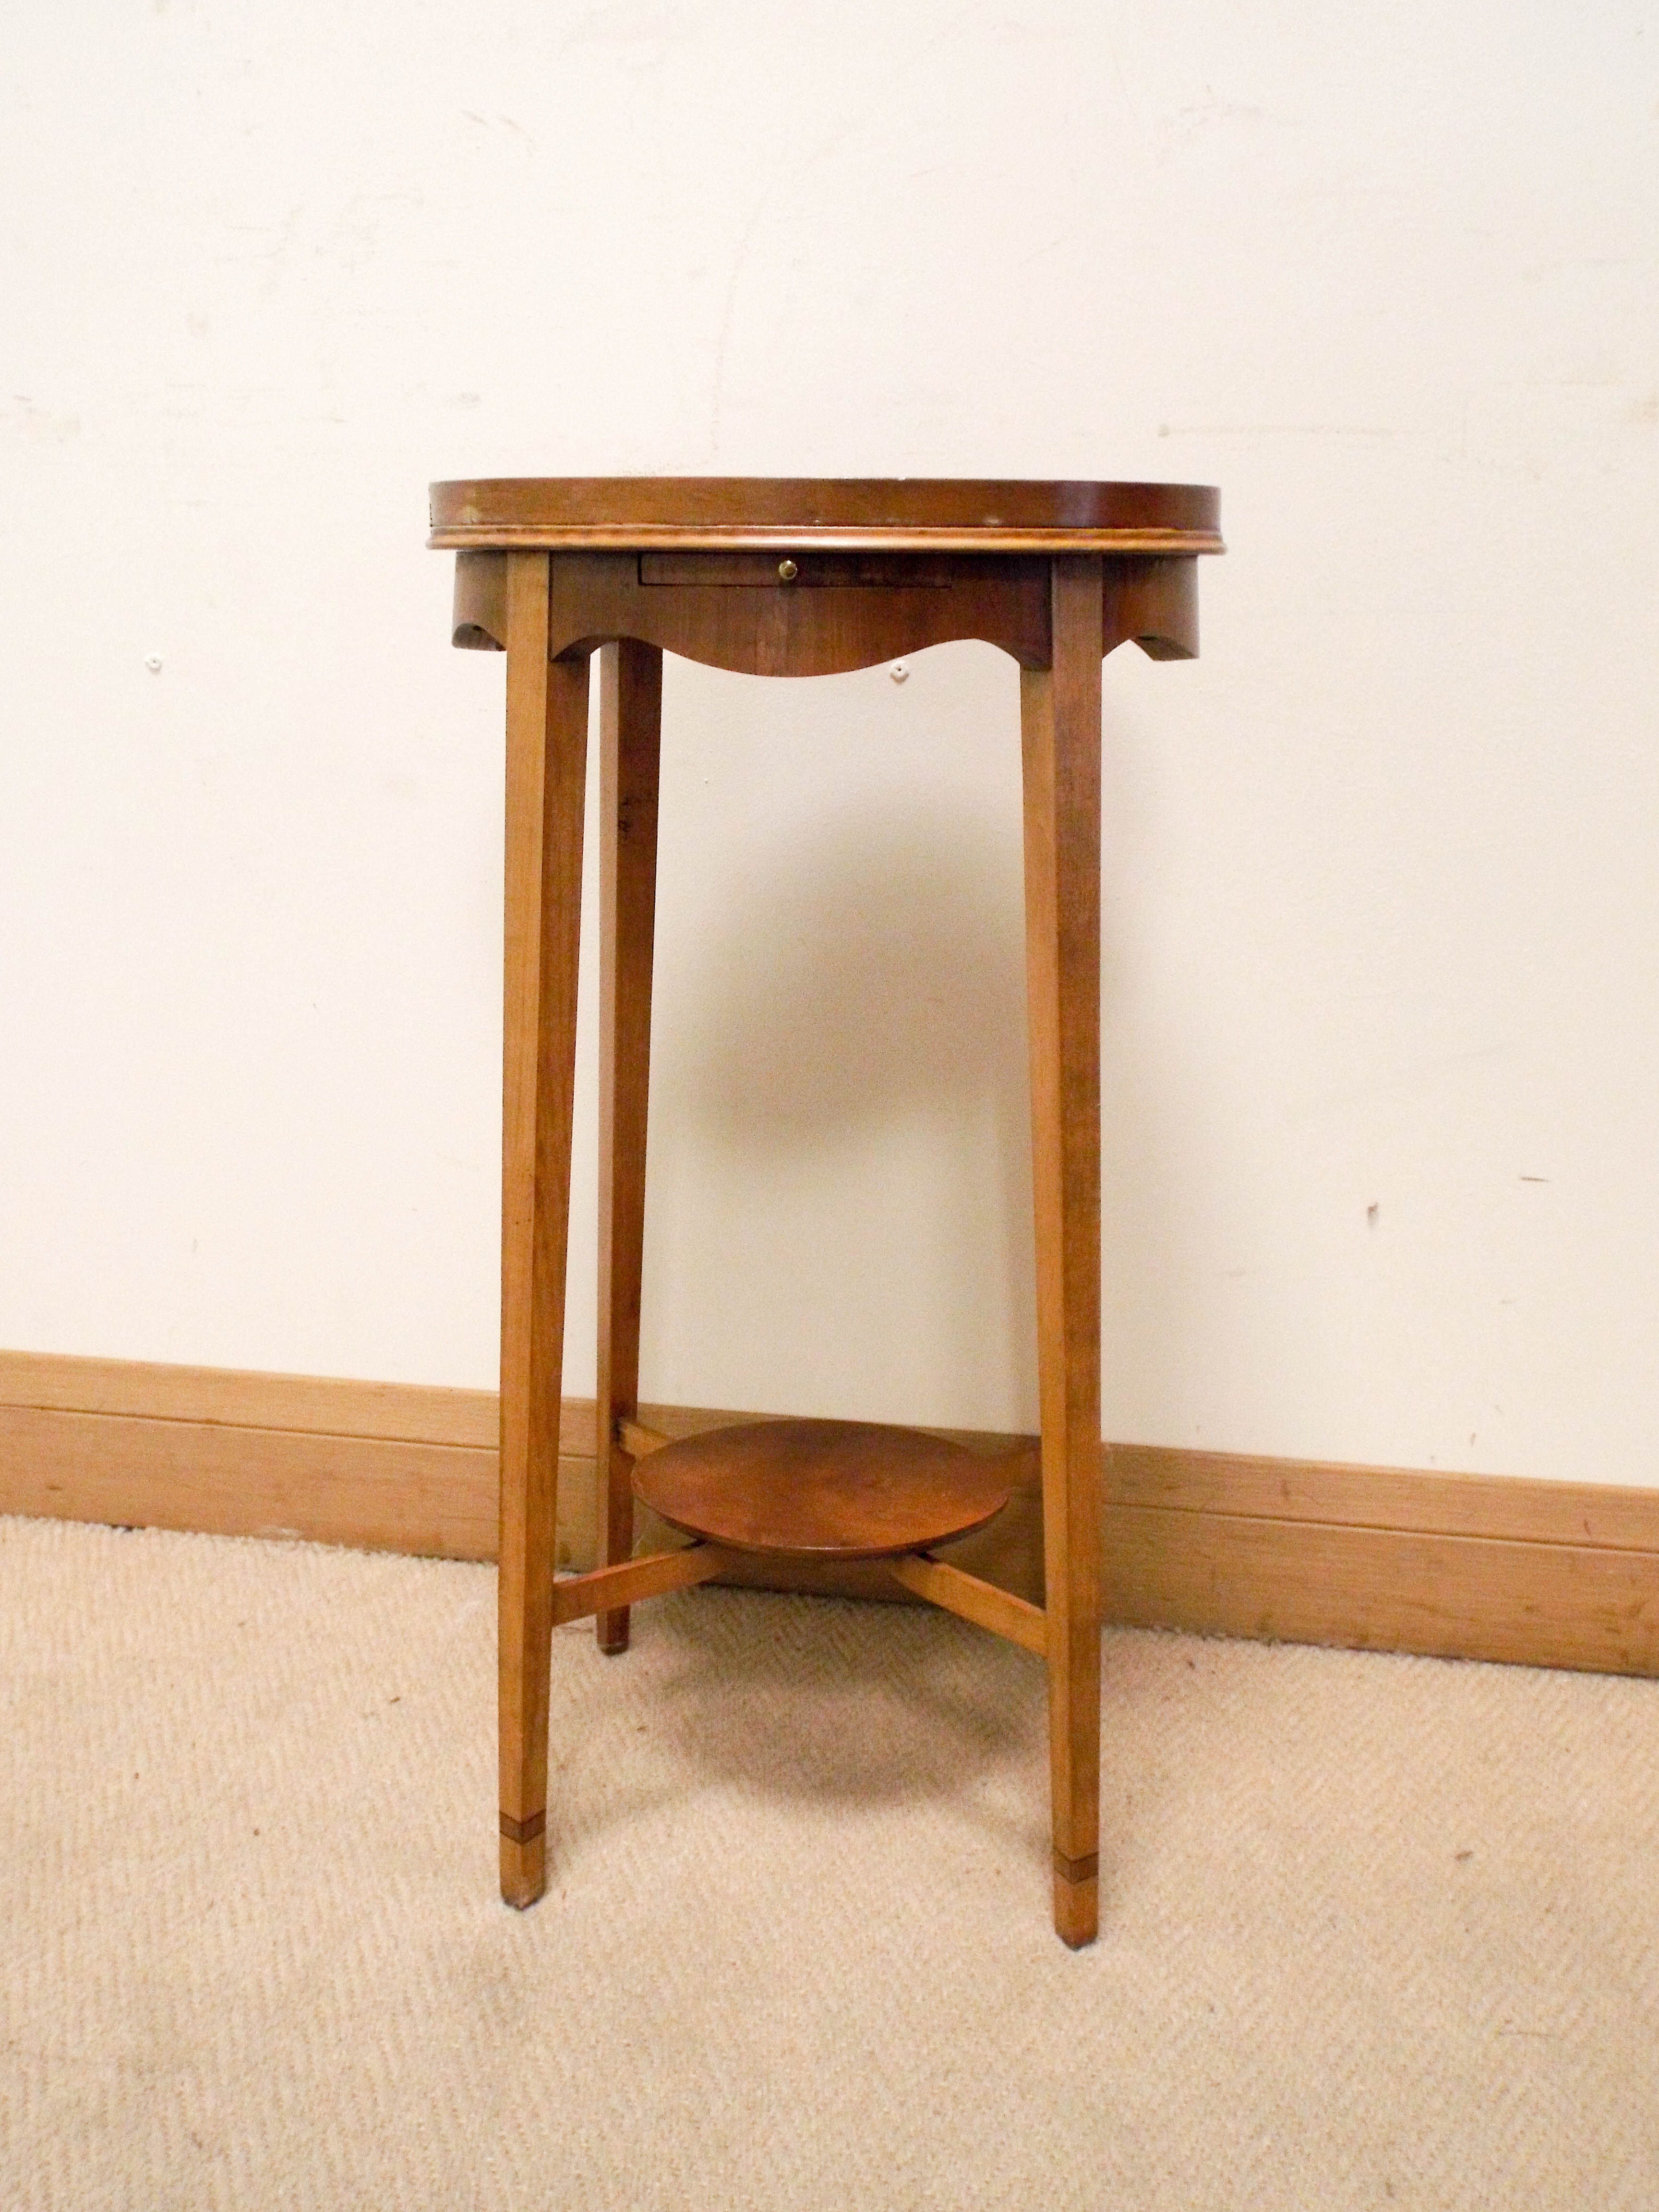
850	513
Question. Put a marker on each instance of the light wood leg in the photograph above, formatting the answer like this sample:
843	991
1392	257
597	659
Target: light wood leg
1059	714
630	721
546	766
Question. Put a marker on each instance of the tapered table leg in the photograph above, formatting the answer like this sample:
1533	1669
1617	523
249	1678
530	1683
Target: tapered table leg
1061	730
631	722
546	763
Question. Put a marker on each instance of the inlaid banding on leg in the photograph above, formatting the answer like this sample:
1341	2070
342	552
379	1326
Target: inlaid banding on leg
524	1831
1084	1869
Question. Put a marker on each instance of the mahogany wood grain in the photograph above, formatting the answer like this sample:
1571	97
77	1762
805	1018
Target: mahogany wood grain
807	571
638	1441
981	1603
1155	603
915	514
478	623
1077	1898
1149	601
776	628
546	762
846	1490
630	1582
630	724
793	577
1060	714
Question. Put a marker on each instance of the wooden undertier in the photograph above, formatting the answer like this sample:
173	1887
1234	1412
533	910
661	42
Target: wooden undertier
825	1491
844	1490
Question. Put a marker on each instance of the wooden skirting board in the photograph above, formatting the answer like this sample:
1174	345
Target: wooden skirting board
1551	1574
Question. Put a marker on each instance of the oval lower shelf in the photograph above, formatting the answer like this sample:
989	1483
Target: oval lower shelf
846	1489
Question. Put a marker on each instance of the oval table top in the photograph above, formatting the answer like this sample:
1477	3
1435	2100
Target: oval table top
933	514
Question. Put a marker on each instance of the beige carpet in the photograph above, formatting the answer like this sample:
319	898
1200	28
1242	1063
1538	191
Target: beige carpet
1375	1931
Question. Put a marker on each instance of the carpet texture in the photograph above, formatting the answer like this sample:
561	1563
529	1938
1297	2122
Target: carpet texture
1375	1931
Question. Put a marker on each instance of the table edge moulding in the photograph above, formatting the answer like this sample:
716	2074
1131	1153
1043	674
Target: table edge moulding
791	577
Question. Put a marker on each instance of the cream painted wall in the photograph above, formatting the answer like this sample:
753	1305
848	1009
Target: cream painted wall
1382	1046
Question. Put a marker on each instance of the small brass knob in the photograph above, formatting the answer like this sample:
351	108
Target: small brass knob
788	571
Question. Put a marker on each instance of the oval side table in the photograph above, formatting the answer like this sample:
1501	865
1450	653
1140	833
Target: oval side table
792	578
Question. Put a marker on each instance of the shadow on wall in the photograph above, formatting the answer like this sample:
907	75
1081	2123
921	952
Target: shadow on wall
855	1008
